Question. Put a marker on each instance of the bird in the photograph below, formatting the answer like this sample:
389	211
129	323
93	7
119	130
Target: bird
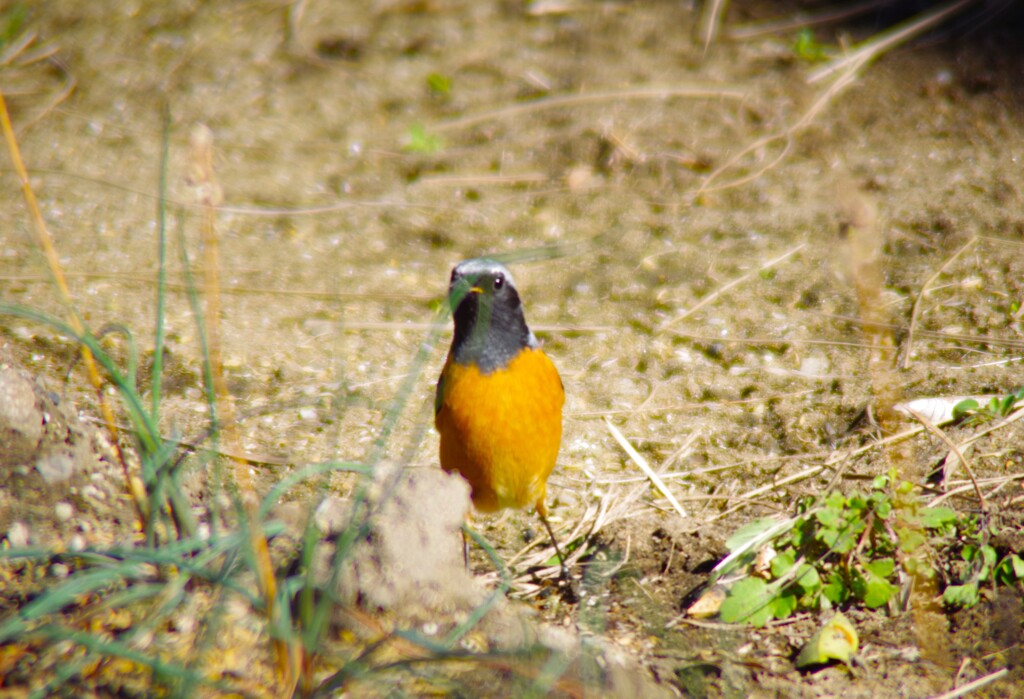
498	404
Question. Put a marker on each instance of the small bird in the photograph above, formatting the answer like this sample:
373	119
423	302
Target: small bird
498	406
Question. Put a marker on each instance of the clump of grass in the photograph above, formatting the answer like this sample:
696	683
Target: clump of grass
160	613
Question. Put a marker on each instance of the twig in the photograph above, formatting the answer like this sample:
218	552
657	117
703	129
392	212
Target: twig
806	473
976	684
645	467
713	296
920	297
886	40
970	486
930	426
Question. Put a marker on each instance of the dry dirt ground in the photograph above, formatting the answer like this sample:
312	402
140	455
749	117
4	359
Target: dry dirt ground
707	242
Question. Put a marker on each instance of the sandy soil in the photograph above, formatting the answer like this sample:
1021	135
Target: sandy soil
708	243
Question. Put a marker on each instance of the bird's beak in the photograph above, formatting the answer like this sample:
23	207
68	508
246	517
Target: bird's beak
475	290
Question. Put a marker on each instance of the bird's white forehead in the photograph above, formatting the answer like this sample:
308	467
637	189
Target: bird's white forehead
480	266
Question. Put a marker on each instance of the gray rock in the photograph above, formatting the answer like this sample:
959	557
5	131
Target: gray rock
56	468
21	419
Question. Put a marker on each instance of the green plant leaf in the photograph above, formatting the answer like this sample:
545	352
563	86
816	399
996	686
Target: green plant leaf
1010	570
858	585
439	83
835	501
846	539
961	595
748	601
1006	405
835	590
807	578
937	517
807	48
964	408
910	539
878	592
1017	564
782	606
882	567
418	140
783	562
749	532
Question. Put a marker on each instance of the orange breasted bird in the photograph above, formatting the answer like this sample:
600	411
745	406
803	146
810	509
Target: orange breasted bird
498	406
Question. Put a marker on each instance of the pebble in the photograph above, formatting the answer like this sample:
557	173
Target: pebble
815	366
331	515
64	511
55	468
93	493
17	535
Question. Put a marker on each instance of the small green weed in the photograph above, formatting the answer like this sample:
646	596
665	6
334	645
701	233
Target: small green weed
971	412
418	140
439	84
850	549
807	48
980	564
12	23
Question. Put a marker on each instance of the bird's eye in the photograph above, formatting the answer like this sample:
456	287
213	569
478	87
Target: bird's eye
499	281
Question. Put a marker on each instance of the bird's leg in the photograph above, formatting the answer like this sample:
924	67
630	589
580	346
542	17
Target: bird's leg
542	512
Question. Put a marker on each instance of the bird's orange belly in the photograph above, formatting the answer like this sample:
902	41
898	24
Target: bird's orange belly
502	430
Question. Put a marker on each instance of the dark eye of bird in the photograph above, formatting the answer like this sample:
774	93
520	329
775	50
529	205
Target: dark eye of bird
499	281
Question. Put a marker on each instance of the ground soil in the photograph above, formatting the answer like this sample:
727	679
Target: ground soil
724	258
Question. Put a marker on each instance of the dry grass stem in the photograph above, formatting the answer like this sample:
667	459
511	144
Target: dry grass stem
709	26
714	295
45	242
954	449
768	487
558	101
1000	483
288	656
974	685
997	425
767	340
870	50
614	505
801	20
645	467
915	313
845	71
930	334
